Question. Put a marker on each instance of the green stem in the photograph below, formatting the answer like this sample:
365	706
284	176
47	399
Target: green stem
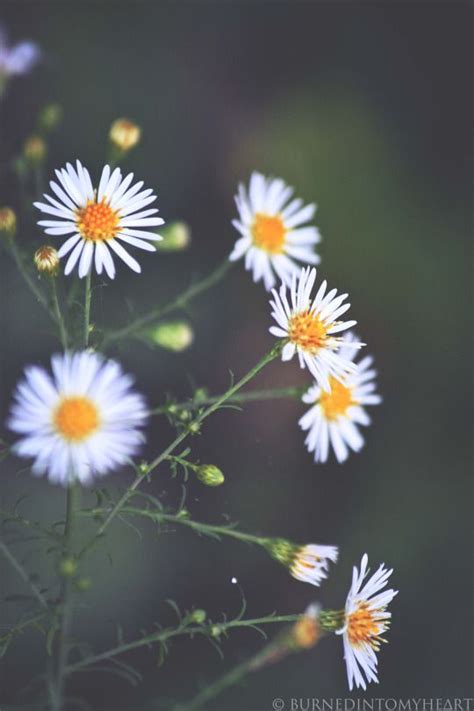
204	528
87	308
252	396
224	682
193	427
64	606
179	302
34	288
164	635
58	313
23	575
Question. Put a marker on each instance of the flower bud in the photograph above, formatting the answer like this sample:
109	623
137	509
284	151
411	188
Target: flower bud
47	260
173	336
124	134
7	222
176	237
68	567
210	475
50	117
306	632
198	616
34	150
84	584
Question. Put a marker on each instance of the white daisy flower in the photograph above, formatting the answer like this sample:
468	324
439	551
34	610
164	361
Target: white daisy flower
273	230
99	220
311	563
17	59
309	326
334	416
81	421
365	621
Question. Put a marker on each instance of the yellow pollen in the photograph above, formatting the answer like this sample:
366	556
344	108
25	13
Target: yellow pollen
76	418
269	233
337	401
362	627
307	331
97	221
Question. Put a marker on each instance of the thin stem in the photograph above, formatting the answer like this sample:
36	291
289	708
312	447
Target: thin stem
252	396
194	427
87	308
164	635
178	303
64	607
24	575
58	313
34	288
204	528
232	677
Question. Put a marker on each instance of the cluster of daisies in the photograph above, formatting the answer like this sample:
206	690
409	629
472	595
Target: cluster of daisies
83	418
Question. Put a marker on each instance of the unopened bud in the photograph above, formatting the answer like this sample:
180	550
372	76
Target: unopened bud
198	616
173	336
7	221
34	150
84	584
306	632
216	631
124	134
50	117
210	475
47	260
68	567
176	237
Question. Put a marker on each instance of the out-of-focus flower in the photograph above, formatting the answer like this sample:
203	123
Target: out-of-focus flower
124	134
173	335
99	220
176	237
306	632
7	221
80	422
34	150
17	59
274	233
49	117
210	475
334	416
307	563
310	327
365	621
46	260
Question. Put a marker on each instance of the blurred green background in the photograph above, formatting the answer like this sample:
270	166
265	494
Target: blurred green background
364	108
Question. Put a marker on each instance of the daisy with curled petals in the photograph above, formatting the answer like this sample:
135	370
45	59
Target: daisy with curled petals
308	563
334	416
274	233
99	221
310	326
79	422
365	621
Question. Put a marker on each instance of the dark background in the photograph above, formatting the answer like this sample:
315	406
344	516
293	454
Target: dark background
365	108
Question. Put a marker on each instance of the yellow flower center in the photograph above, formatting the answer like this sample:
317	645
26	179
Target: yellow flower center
307	331
269	233
97	221
364	628
76	418
337	401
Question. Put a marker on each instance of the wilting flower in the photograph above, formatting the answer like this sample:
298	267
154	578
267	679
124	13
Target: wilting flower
309	326
81	421
17	59
273	231
365	621
307	563
7	221
334	416
99	220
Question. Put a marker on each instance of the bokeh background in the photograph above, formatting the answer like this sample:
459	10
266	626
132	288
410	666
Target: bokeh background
364	108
